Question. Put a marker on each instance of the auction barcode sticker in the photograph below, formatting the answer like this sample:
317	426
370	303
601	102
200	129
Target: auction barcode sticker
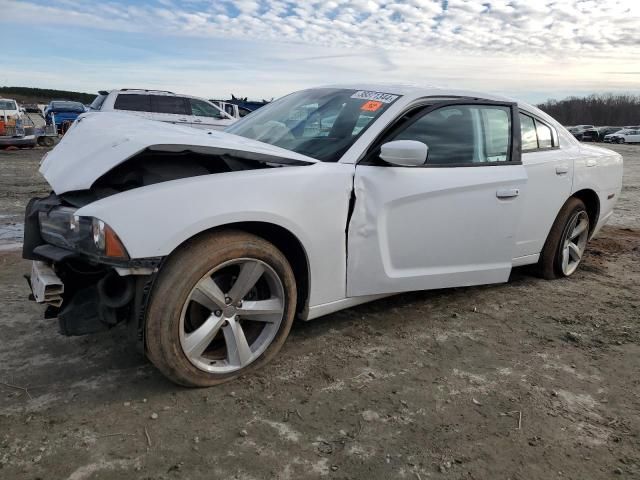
375	96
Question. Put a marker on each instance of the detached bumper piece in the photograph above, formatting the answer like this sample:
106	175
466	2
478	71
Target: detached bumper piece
46	286
93	302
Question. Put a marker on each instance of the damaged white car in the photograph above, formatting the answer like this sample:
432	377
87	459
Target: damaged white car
209	244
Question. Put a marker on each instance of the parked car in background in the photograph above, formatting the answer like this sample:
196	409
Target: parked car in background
63	113
584	133
626	135
604	131
34	108
231	109
9	109
10	117
164	106
240	107
210	243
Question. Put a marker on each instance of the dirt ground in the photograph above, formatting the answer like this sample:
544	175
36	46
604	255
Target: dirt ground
527	380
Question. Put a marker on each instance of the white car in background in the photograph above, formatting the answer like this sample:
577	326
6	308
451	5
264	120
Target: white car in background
164	106
209	244
9	109
623	136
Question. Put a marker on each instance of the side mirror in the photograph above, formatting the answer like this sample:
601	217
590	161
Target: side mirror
405	153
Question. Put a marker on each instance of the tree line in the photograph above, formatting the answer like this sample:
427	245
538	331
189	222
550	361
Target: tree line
44	95
599	110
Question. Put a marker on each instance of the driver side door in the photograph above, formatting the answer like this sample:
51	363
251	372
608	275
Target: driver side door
450	222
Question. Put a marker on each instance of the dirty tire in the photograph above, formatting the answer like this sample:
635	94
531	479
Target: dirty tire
176	280
550	263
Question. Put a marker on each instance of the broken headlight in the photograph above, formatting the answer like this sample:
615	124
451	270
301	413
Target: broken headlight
63	228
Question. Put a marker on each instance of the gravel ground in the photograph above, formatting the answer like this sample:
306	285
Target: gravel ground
527	380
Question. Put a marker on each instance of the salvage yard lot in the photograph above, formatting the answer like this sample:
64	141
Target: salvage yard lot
530	379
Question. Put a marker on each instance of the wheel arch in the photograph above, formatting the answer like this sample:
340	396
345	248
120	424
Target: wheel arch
284	240
592	203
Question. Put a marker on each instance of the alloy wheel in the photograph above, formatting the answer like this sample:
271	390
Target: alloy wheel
574	242
232	315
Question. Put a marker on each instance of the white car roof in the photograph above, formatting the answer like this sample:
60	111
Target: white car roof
415	91
138	91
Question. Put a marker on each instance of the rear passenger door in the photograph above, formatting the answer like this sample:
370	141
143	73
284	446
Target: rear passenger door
171	109
207	116
550	177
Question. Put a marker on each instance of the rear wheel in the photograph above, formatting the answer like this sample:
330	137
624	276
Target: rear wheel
221	306
567	240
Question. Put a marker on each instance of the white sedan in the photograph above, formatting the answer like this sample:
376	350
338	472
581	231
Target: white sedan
625	135
209	244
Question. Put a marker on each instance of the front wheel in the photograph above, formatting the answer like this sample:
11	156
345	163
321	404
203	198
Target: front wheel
621	140
221	306
567	240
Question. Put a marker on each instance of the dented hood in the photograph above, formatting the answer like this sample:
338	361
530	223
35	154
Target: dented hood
100	141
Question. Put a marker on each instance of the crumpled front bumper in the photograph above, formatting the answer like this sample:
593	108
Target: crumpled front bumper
87	293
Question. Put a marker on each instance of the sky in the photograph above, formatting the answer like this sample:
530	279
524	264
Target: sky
529	49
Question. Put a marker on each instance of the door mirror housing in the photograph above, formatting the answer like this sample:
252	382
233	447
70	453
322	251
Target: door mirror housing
404	153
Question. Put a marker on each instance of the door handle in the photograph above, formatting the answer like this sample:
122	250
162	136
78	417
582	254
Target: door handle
508	192
182	119
562	170
591	163
197	121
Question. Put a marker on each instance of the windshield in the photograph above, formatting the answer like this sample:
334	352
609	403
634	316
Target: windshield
8	105
321	123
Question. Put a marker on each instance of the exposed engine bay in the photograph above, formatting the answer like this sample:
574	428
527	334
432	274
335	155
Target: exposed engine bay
155	166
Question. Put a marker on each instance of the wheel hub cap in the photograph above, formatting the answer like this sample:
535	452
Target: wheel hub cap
232	315
575	242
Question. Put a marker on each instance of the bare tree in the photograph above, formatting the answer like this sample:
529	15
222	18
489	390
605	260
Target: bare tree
603	109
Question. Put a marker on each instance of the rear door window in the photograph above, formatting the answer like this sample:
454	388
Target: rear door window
537	135
169	104
544	135
133	102
529	136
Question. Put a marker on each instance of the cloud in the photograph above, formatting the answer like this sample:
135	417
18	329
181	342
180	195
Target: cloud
265	48
541	27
